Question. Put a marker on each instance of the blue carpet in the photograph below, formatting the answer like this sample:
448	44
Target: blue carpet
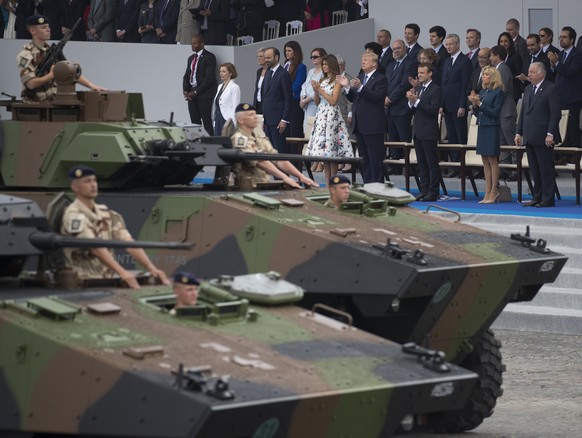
565	208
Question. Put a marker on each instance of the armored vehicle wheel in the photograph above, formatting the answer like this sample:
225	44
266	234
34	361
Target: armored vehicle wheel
485	360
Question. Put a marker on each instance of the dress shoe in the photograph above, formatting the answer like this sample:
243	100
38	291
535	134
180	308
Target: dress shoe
420	196
429	198
545	204
495	200
532	203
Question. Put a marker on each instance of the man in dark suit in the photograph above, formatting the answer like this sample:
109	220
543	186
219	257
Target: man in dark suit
277	95
367	93
199	84
398	114
166	14
536	55
214	15
547	38
567	68
473	41
384	37
436	36
411	34
456	74
512	28
475	83
72	11
537	129
425	103
126	21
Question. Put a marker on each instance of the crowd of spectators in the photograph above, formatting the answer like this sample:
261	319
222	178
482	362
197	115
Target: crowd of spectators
170	21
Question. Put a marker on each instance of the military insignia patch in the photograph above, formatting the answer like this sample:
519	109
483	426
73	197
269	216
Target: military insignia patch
240	141
75	225
78	173
23	62
336	180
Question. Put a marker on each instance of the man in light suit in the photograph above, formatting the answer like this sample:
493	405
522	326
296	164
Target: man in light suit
166	20
425	103
187	25
538	131
456	75
567	68
276	95
199	84
367	93
101	21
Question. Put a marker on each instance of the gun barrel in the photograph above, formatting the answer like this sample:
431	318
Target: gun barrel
50	241
235	155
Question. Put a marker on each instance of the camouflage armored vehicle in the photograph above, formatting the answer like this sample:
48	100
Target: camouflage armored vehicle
397	272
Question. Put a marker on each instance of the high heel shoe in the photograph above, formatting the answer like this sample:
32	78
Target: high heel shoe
493	201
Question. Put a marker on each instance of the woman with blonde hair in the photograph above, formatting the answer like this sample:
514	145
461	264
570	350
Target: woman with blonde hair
487	107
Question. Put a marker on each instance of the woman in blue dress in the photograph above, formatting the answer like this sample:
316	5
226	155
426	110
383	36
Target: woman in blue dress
487	107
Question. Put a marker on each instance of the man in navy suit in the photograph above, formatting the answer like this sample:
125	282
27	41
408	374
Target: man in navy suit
199	84
547	38
367	92
537	129
213	17
425	103
456	75
166	14
567	68
126	21
384	37
436	36
473	40
276	95
411	34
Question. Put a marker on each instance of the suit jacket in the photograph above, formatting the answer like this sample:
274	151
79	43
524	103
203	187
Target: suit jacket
508	109
398	85
543	58
72	11
368	105
187	25
205	75
521	47
540	114
102	17
455	82
386	59
475	58
255	101
568	77
277	96
166	18
489	112
229	99
216	32
443	55
425	124
127	16
414	52
553	48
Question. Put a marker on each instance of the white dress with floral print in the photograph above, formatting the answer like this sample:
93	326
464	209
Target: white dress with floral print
329	136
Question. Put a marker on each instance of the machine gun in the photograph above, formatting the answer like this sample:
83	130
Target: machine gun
54	54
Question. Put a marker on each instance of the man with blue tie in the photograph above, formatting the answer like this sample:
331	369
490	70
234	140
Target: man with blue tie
367	93
276	94
567	68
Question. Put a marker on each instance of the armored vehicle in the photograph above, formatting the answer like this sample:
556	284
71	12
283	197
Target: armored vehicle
397	272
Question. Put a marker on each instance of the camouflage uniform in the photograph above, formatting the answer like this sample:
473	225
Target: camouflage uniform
249	167
80	221
28	61
329	204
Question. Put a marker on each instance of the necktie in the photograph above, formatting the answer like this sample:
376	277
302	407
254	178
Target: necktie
407	50
422	90
534	89
193	67
470	54
565	56
397	65
365	80
533	59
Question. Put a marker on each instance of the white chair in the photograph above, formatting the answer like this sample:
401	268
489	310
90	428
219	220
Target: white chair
339	17
294	27
244	40
271	30
229	39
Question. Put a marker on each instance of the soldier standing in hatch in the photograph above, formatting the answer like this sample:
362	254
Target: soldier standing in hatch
185	287
245	140
39	89
339	191
86	219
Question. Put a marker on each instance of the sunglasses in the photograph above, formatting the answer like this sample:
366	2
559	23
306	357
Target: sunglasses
315	56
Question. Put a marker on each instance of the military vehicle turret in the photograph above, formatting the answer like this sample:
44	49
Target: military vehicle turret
397	272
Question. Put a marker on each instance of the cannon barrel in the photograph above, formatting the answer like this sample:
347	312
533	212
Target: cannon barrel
47	241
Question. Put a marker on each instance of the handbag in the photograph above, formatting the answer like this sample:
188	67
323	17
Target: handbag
504	193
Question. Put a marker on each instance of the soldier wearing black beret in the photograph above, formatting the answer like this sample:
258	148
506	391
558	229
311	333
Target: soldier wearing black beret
257	171
86	219
185	287
35	88
339	191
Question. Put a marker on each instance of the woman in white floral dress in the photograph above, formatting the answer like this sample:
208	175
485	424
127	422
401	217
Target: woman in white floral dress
329	137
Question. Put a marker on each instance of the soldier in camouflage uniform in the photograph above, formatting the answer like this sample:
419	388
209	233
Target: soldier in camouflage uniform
258	171
185	288
86	219
339	191
39	89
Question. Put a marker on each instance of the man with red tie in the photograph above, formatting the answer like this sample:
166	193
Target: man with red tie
199	84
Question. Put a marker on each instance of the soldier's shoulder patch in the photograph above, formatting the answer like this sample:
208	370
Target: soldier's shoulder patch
74	223
23	61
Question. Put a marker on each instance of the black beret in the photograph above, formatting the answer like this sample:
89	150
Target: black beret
35	20
244	107
339	179
80	171
185	278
